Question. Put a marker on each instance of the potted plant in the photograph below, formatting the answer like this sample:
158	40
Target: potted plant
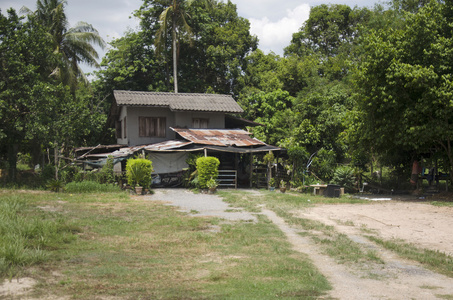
138	172
271	184
282	186
212	185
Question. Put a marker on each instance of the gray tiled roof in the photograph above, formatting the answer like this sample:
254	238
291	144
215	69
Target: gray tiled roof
178	102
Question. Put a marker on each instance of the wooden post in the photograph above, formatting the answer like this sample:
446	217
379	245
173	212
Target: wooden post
269	171
251	168
205	152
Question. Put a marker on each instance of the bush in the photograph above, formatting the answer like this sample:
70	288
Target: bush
90	187
345	177
106	174
138	172
207	167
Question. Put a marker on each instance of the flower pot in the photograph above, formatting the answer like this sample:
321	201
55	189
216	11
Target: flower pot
212	190
271	188
282	189
138	190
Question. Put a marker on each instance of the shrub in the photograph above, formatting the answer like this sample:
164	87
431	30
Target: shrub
90	187
345	177
138	172
207	167
106	174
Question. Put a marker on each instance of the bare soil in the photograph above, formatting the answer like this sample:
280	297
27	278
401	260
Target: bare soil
421	224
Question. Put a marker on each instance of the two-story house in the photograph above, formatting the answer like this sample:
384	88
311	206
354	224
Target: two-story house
168	126
145	117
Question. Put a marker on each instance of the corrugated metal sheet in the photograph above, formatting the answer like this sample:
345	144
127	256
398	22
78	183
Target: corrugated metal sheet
127	151
178	102
218	137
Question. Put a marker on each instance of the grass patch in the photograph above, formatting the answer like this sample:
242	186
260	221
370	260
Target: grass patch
442	203
29	234
273	200
434	260
131	248
90	187
339	246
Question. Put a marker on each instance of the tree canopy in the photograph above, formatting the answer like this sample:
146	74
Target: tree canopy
355	86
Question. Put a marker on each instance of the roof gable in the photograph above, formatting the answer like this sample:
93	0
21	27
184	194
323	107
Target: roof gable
179	101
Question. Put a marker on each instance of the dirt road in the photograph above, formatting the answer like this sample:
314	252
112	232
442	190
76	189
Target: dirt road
424	225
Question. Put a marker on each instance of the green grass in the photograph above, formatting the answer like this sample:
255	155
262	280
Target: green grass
434	260
28	235
336	245
131	248
90	187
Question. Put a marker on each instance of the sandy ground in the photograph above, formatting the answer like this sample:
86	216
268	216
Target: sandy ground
421	224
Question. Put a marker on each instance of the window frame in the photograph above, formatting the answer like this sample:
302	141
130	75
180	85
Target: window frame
152	127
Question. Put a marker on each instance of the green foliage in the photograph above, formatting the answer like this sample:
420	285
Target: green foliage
324	164
219	34
405	87
90	187
207	168
211	183
55	185
138	172
73	45
27	235
106	174
345	177
272	182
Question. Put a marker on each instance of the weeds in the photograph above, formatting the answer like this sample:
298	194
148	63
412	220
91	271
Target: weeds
133	248
90	187
27	235
434	260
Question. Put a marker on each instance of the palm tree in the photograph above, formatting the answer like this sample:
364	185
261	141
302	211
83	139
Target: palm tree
74	45
175	17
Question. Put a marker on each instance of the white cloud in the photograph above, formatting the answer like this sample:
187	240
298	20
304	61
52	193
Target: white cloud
276	35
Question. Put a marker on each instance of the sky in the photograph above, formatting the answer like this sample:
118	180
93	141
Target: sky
273	21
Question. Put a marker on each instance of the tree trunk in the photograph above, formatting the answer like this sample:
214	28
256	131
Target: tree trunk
12	162
175	65
56	159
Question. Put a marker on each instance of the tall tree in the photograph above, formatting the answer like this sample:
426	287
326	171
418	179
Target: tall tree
25	55
74	44
173	17
405	87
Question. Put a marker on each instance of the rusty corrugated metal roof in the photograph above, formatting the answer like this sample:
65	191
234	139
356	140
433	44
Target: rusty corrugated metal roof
179	101
218	137
127	151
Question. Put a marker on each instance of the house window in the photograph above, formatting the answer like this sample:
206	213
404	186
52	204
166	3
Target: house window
118	129
200	123
152	126
124	128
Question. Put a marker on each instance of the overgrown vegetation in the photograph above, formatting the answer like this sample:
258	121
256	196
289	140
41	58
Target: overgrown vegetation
90	187
29	234
137	248
434	260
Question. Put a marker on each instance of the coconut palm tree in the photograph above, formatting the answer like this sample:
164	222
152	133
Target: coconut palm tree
74	45
174	16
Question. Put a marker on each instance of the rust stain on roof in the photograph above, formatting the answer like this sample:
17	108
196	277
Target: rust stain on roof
218	137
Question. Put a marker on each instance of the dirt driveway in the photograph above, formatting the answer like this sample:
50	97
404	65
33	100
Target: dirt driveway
421	224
